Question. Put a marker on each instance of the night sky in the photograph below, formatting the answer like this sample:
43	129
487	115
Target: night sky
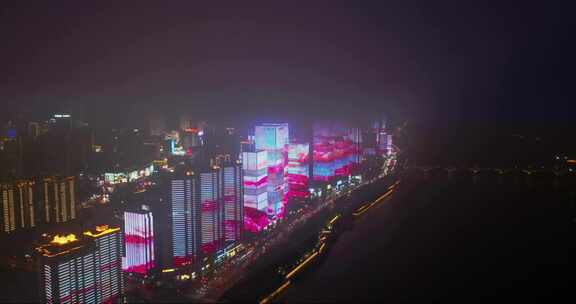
434	62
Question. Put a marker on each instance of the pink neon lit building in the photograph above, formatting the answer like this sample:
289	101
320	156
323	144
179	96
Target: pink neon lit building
139	242
274	139
255	167
336	151
297	170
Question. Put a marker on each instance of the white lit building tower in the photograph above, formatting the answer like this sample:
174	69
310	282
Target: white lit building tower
68	270
233	202
184	205
108	260
210	224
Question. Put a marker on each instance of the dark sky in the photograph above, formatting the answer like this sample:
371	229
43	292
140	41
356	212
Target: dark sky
426	61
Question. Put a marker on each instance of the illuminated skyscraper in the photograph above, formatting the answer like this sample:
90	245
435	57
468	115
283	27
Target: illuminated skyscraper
68	271
274	138
17	208
26	207
8	208
108	260
255	166
58	199
297	170
139	241
184	203
233	202
210	217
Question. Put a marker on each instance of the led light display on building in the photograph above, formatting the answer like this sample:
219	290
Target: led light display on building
128	176
336	151
297	170
139	242
210	196
108	260
68	272
255	220
233	202
255	167
274	138
184	209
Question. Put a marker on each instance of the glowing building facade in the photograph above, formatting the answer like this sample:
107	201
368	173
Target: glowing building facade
138	242
58	199
184	214
17	207
233	202
297	174
108	262
336	151
274	139
255	166
210	217
206	212
68	271
8	219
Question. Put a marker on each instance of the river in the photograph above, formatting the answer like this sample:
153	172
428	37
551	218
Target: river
456	237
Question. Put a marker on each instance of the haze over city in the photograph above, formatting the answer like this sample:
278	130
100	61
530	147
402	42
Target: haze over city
263	151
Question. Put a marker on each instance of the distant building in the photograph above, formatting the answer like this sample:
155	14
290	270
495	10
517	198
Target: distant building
108	262
26	207
8	210
139	241
58	195
17	208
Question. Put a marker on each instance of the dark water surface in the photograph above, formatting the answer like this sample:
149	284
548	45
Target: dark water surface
459	238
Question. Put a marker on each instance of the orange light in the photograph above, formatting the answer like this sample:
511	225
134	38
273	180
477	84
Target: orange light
301	265
275	293
101	230
571	161
63	239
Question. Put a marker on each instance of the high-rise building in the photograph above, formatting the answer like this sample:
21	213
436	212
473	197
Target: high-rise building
233	202
58	196
139	241
297	170
255	166
108	262
184	203
8	208
68	271
210	217
274	138
156	124
26	206
17	207
207	213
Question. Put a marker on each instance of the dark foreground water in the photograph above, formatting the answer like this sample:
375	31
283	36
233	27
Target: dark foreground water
460	238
